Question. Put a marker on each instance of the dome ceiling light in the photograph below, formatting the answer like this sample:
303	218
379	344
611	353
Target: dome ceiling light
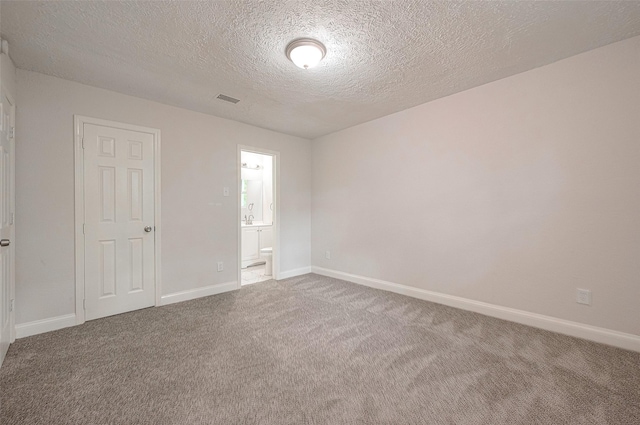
306	52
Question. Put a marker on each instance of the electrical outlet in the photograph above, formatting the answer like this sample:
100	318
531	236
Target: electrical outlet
328	255
583	296
220	266
225	191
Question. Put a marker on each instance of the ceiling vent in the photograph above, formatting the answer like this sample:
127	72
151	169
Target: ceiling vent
228	98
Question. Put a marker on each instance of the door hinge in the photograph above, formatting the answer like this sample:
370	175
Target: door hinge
84	229
12	305
12	132
82	143
84	304
12	218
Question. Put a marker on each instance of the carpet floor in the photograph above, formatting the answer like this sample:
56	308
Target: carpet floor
314	350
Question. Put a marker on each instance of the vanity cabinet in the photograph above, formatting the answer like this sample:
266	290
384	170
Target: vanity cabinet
250	245
266	236
254	238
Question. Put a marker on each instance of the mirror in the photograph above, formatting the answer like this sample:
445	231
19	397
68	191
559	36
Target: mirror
251	199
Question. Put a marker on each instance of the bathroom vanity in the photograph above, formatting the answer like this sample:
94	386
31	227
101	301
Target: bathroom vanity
255	237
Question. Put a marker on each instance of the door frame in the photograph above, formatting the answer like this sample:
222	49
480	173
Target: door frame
78	126
275	258
12	246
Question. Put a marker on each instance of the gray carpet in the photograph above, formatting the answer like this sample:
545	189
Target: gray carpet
314	350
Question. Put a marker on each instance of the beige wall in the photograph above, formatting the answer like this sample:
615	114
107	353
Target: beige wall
199	156
514	193
8	75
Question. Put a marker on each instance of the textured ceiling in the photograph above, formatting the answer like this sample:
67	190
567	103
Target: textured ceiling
383	56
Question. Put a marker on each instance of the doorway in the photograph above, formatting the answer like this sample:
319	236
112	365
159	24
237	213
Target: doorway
257	207
117	218
7	228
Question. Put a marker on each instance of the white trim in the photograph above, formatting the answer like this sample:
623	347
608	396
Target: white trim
78	127
294	273
276	210
239	212
45	325
579	330
157	174
12	189
192	294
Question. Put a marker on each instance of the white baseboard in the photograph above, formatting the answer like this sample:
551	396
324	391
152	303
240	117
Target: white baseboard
579	330
294	273
45	325
192	294
54	323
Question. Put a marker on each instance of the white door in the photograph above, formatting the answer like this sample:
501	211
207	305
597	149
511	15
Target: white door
7	112
119	220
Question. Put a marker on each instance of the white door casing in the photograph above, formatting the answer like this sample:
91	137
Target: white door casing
119	244
7	196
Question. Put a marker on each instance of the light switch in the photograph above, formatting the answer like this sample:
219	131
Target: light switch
225	191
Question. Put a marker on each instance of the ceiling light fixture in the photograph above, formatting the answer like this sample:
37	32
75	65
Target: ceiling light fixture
306	52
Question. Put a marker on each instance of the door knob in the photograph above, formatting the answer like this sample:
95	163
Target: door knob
5	242
148	229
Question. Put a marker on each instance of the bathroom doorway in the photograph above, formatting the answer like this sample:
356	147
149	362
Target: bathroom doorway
257	206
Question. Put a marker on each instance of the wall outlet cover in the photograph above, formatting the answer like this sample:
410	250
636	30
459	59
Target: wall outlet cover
327	254
220	266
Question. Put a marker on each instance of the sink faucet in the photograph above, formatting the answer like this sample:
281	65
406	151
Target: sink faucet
250	219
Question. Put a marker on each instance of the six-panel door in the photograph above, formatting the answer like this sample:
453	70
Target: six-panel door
119	220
